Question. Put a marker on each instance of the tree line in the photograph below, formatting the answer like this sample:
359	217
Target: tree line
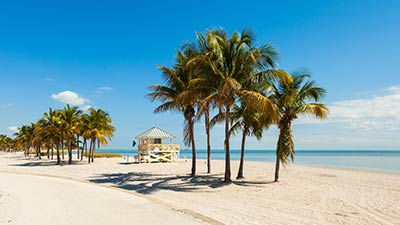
241	82
68	128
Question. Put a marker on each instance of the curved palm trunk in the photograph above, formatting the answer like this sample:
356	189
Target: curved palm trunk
227	177
284	147
277	164
191	127
207	124
240	172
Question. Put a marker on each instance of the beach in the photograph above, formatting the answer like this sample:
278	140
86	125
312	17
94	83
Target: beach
304	194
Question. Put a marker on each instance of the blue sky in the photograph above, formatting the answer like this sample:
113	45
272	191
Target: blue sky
107	53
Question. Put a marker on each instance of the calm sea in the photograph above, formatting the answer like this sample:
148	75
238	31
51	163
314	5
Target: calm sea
388	161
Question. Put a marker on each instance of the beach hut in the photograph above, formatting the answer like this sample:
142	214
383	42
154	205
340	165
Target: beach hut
153	147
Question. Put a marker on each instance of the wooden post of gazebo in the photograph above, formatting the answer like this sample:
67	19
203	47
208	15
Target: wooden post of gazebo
152	149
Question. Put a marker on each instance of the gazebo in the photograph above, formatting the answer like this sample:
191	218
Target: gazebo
152	148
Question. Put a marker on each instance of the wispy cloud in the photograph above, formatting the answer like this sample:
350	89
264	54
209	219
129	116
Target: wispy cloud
70	97
102	90
85	108
380	112
49	79
8	105
13	129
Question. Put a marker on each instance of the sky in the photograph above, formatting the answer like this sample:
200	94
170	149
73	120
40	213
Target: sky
104	54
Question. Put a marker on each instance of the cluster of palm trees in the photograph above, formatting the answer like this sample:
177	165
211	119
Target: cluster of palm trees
68	128
7	144
240	81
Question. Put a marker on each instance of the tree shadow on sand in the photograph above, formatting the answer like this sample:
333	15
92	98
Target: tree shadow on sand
46	163
147	183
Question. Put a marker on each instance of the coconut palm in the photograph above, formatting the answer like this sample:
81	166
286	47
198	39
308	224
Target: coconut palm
235	63
294	98
199	51
180	95
99	130
53	129
82	127
69	119
6	143
24	136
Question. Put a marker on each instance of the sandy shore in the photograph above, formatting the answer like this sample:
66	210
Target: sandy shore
305	194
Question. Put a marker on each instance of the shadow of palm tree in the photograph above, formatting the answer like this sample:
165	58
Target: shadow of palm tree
45	163
147	183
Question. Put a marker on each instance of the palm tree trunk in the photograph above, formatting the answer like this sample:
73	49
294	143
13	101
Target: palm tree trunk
240	172
277	168
193	148
58	155
207	121
94	149
39	153
77	146
227	177
48	152
89	154
52	152
83	148
62	147
69	151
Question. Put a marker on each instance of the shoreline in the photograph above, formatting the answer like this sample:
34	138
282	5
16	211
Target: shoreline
304	195
378	162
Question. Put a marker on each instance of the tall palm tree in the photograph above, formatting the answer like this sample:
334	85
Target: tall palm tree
293	98
82	127
201	49
70	118
235	62
180	94
99	130
54	128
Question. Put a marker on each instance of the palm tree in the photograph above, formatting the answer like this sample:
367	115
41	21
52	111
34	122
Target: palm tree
99	130
235	63
70	118
54	128
25	136
6	143
82	127
180	94
294	98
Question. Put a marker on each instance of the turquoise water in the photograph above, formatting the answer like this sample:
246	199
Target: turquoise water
387	161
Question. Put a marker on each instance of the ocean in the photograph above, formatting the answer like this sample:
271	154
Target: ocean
373	160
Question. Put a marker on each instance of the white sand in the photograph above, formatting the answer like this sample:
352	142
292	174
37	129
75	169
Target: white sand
305	194
45	200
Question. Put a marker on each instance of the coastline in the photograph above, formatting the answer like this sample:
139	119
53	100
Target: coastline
305	194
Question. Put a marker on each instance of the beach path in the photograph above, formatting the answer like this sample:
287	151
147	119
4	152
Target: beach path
29	199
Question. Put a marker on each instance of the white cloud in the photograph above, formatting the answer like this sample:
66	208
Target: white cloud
49	79
85	107
102	90
380	112
13	129
70	97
